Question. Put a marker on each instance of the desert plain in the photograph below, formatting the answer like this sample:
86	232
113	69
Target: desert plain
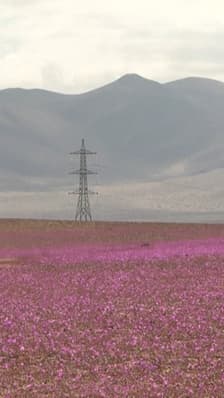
111	309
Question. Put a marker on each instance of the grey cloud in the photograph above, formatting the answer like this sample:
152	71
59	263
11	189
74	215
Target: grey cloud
175	51
105	21
52	76
8	46
19	3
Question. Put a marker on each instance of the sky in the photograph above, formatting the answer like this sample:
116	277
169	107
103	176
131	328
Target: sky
73	46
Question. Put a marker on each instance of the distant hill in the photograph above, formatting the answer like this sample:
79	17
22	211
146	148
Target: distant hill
141	129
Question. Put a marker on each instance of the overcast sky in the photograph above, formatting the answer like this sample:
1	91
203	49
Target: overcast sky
72	46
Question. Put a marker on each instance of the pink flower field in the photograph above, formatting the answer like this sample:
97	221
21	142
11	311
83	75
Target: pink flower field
111	310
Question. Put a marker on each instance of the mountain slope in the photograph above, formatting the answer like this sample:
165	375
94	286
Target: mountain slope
142	131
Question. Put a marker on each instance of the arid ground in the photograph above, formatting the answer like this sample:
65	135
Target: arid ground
111	310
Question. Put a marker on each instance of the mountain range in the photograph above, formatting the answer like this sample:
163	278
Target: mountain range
147	136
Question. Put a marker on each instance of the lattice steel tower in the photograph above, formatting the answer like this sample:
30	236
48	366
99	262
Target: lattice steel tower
83	211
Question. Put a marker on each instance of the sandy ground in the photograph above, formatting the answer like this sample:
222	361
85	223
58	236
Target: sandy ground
110	231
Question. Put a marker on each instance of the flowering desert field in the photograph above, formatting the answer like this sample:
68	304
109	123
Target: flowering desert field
111	310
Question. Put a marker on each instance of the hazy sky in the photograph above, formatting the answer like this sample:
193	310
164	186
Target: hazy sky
72	45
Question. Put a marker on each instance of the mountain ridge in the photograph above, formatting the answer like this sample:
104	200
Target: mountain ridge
126	79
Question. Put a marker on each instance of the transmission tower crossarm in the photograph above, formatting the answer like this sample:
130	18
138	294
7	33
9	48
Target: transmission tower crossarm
85	193
81	151
83	171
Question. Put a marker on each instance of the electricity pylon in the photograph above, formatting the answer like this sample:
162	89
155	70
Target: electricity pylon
83	211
